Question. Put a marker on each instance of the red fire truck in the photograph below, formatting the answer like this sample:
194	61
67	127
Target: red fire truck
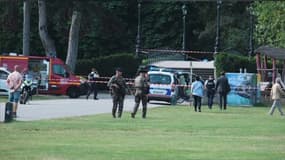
53	76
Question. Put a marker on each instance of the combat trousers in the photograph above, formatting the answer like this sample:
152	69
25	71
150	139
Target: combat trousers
140	98
118	100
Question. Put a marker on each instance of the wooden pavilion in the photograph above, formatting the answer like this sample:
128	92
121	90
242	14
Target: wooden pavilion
264	55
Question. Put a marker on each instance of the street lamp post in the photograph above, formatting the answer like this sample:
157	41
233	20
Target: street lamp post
217	44
138	38
184	13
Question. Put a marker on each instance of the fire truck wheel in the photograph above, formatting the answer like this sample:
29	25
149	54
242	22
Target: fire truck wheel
73	92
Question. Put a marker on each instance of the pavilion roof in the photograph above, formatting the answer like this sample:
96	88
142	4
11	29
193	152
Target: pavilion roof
277	53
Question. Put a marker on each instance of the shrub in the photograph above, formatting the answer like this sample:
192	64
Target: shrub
106	65
233	63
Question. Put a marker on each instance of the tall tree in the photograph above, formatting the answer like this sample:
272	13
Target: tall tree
26	27
11	26
72	51
270	29
47	42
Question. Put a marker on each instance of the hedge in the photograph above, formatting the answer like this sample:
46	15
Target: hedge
106	65
233	63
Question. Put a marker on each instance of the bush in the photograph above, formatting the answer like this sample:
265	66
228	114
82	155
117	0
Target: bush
233	63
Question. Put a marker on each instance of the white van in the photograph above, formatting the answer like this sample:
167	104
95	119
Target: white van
163	86
4	89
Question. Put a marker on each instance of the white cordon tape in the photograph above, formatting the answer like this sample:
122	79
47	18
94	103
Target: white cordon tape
243	88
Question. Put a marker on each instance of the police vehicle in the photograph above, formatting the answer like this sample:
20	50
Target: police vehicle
163	86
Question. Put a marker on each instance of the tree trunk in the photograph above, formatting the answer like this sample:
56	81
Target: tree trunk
26	27
72	51
47	42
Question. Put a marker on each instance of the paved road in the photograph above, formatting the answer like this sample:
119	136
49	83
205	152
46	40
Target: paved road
60	108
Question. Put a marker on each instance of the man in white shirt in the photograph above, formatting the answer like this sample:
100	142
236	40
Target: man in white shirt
14	81
92	83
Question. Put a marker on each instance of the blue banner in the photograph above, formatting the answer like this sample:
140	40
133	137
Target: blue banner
243	89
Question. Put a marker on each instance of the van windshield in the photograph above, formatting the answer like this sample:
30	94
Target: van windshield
159	79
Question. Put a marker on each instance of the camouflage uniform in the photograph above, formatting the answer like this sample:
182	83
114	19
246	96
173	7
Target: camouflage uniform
142	87
118	88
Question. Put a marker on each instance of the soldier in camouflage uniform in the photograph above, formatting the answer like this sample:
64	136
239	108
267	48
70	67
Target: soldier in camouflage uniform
142	87
118	88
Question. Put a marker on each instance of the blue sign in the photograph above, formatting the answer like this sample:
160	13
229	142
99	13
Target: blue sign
243	89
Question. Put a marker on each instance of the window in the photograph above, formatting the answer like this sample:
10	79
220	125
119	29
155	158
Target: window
160	79
59	70
3	75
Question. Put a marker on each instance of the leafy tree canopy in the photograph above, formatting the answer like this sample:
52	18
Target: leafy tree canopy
110	27
270	27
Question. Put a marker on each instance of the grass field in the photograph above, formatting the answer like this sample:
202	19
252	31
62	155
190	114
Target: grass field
168	133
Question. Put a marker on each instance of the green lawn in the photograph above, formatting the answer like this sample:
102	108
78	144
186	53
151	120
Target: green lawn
168	133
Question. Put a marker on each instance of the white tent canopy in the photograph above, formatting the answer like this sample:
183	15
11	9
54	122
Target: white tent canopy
185	64
201	68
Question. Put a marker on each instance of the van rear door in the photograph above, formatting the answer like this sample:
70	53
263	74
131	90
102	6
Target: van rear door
38	68
160	84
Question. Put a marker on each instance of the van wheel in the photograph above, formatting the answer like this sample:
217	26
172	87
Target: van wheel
73	92
173	100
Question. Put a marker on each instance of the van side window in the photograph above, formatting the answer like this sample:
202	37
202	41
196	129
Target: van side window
59	70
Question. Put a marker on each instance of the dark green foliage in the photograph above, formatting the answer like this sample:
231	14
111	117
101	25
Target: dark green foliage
110	27
270	29
106	65
10	32
232	63
162	25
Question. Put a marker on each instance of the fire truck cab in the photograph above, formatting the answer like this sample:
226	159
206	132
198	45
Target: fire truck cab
53	76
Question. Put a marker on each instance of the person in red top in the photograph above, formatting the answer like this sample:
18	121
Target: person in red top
14	81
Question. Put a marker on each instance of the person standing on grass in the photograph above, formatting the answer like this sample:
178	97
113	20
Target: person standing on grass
197	90
142	87
14	82
118	87
223	88
275	94
210	87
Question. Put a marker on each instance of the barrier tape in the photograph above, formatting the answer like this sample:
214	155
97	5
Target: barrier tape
86	77
244	88
238	90
176	51
66	81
